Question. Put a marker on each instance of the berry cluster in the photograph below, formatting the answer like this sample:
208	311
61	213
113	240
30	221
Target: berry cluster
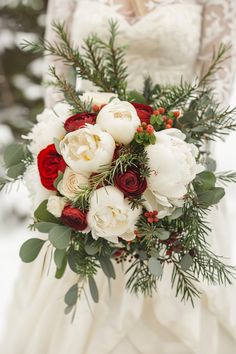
151	216
161	119
145	134
173	243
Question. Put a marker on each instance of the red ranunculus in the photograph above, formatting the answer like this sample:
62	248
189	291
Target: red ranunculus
49	164
74	218
79	120
143	111
130	183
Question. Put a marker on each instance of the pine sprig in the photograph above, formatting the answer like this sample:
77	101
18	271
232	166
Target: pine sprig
141	281
226	177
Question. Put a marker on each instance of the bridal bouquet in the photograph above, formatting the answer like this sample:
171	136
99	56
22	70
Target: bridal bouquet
124	176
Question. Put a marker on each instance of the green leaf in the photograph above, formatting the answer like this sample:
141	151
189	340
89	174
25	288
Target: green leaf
59	236
155	267
58	179
57	145
68	310
58	257
16	170
13	154
42	214
136	96
186	262
93	289
210	164
176	214
73	260
204	181
163	234
30	249
107	267
71	295
211	197
91	249
44	227
60	271
188	117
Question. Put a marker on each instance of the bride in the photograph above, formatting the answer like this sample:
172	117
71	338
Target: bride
167	39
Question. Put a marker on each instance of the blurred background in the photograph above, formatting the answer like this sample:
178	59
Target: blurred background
21	98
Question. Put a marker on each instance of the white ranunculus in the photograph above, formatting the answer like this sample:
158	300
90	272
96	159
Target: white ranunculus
98	98
110	216
49	126
72	183
120	119
173	166
55	205
87	149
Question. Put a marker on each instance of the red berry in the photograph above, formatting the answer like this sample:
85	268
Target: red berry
150	220
144	125
150	129
168	126
176	114
146	214
155	212
161	110
170	121
164	118
102	105
140	129
156	112
155	219
95	108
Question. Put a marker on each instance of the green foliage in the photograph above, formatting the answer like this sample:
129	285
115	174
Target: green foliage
16	157
30	249
93	289
155	267
71	296
60	236
42	214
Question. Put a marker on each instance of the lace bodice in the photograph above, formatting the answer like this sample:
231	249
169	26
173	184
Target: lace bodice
165	38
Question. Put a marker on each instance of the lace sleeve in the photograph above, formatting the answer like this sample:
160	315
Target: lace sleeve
62	11
218	27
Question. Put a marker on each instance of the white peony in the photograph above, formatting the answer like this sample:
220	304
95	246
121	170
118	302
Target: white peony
49	126
110	216
55	205
173	166
120	119
87	149
98	98
71	183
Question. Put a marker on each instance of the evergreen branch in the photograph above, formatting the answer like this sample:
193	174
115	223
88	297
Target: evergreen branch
141	280
68	90
227	176
184	283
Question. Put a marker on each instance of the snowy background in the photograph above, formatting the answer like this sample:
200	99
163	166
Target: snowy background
20	100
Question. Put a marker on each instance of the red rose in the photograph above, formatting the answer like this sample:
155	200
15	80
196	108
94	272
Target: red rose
143	111
74	218
130	183
79	120
49	164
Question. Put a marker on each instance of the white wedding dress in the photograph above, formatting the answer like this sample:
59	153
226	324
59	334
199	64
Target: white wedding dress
171	39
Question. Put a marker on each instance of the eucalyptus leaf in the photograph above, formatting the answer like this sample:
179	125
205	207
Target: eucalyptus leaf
155	267
107	267
71	296
73	260
60	271
13	154
91	249
93	289
16	170
204	181
57	145
163	234
211	197
58	257
42	214
44	227
186	262
59	236
68	310
176	214
30	249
